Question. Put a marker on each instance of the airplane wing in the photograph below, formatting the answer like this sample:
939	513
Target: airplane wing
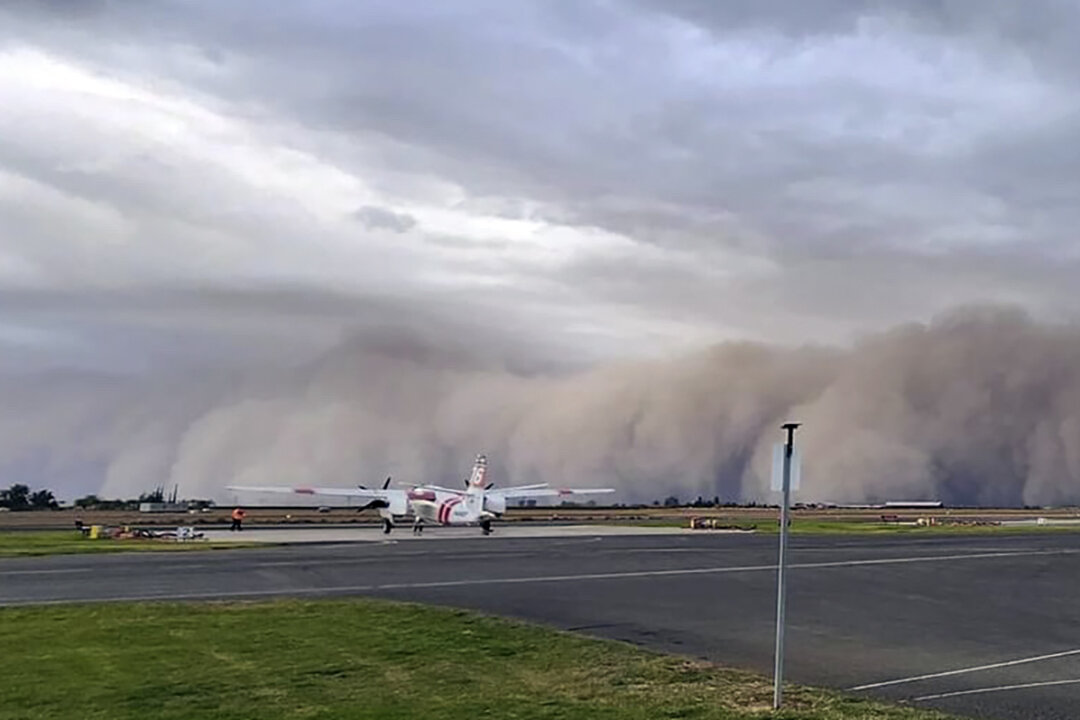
520	488
539	491
442	489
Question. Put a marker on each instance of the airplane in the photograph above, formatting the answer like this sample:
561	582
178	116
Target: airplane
478	504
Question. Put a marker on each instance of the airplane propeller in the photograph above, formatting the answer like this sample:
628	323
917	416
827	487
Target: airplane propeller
377	503
385	484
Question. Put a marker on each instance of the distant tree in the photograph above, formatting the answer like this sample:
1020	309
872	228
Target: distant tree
43	500
89	501
155	497
16	497
671	501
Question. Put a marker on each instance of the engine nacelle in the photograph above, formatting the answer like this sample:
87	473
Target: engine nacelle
495	504
398	502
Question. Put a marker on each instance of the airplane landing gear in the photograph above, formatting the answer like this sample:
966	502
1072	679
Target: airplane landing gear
485	526
387	526
418	526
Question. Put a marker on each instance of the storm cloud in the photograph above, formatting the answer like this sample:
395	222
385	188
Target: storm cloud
982	406
200	198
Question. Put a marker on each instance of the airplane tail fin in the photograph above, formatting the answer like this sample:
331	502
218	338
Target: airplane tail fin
479	472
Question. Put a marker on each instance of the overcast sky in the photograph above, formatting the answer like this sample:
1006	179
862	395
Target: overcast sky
233	182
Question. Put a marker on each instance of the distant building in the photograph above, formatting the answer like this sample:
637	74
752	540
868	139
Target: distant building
162	507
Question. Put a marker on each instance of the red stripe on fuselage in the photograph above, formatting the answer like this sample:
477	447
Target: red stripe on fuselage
446	508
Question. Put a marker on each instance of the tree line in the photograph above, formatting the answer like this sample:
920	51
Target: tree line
18	497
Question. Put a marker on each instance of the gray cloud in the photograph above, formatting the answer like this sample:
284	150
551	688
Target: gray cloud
221	329
849	138
378	218
606	179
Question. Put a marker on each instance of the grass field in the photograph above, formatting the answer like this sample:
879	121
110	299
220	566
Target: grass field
62	542
834	527
361	659
804	526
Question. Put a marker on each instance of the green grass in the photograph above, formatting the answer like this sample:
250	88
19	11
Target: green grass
825	527
863	527
57	542
361	659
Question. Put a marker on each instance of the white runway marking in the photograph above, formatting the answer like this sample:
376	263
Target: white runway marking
998	688
549	578
963	671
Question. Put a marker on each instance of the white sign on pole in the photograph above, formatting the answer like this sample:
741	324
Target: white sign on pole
778	468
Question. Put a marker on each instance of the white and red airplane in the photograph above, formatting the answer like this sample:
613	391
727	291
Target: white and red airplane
478	504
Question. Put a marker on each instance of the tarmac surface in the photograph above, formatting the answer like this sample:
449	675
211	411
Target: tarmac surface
986	627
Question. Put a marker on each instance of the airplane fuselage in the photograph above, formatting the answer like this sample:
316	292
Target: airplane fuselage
445	508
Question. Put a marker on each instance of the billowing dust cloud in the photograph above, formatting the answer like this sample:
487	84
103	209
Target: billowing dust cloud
981	406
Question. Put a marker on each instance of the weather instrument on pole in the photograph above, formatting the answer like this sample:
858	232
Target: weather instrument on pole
785	476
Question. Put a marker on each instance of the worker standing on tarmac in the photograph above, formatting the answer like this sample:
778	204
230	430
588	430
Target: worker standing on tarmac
237	518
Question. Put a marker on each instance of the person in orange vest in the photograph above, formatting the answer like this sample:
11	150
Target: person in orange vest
237	518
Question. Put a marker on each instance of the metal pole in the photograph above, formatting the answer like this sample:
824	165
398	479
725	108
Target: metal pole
781	585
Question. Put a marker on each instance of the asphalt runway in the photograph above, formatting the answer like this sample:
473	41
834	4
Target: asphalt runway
987	627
